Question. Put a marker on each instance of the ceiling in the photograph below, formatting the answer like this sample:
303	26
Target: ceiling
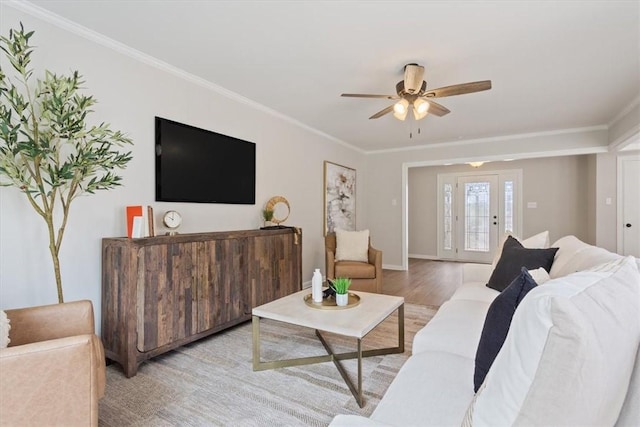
554	64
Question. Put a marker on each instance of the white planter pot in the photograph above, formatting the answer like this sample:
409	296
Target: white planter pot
342	299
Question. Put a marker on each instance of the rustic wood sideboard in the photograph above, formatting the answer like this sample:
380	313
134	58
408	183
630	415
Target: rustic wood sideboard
159	293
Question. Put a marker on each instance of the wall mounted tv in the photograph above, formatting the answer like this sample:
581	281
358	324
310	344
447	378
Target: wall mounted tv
197	165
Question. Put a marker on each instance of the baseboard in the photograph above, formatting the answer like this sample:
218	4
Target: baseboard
431	257
306	285
392	267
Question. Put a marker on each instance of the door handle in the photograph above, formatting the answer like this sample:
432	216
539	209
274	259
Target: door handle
627	225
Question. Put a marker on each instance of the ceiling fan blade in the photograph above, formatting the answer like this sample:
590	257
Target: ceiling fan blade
364	95
459	89
437	109
382	112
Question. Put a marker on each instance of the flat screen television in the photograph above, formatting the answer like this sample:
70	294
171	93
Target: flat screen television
197	165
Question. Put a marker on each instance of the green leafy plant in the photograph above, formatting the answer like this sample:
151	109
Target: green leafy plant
47	149
267	214
341	285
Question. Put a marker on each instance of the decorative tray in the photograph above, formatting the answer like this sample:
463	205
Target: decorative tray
329	303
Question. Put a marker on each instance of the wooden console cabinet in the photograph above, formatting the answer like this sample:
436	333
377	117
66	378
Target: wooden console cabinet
159	293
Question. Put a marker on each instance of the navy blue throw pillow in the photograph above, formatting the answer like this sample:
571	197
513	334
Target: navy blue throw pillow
515	256
497	322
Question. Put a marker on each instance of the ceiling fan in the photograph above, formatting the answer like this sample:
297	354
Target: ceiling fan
412	94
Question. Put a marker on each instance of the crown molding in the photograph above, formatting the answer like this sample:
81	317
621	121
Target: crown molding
631	136
491	139
624	111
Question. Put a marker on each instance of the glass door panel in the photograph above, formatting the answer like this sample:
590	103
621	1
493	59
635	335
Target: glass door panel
479	214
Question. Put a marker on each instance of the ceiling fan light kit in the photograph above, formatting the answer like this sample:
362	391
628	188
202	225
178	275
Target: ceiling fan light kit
420	108
475	164
412	91
400	109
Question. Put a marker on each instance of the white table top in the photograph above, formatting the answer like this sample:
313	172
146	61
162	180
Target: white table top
354	322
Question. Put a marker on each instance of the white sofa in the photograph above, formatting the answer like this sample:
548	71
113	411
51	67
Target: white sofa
435	386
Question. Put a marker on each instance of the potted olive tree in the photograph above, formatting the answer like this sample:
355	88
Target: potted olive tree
47	149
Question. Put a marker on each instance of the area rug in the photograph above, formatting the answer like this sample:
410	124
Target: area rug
211	382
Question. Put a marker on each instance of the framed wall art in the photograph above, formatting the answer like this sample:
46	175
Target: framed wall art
339	197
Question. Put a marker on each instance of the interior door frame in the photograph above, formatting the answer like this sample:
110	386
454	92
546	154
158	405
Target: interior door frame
620	199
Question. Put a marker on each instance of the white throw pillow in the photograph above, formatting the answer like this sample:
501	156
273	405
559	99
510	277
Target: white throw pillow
352	245
540	275
574	255
569	354
5	326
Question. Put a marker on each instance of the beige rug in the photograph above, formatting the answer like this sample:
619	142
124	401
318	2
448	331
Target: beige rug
211	382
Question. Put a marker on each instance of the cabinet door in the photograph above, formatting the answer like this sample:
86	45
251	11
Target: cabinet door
166	295
276	267
223	282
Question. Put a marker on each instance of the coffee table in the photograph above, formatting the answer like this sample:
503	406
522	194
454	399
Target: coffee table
355	322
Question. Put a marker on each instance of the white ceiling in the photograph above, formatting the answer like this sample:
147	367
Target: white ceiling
554	64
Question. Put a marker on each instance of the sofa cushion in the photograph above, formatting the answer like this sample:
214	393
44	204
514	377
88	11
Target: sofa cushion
355	269
352	245
550	369
431	389
455	329
497	322
630	412
574	255
475	291
540	275
472	272
514	257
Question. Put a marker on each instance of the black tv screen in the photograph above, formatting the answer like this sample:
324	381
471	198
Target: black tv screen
197	165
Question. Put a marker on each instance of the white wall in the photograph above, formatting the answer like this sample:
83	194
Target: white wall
559	186
130	93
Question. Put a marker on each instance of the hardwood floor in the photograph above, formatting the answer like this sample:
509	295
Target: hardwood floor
426	282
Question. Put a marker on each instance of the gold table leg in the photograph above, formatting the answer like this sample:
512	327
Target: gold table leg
331	356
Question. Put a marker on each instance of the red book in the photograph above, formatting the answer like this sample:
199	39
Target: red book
132	211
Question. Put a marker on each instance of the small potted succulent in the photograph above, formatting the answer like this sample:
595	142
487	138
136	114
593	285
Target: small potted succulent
341	286
267	215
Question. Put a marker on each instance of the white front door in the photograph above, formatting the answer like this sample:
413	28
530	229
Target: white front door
477	217
629	195
474	209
